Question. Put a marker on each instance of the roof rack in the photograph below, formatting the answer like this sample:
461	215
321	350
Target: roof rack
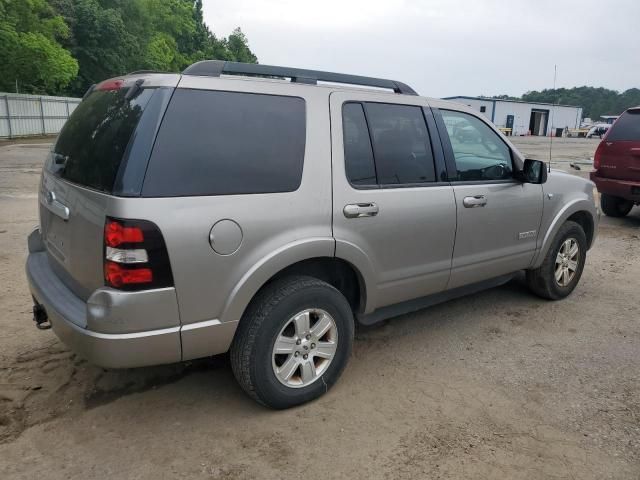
215	68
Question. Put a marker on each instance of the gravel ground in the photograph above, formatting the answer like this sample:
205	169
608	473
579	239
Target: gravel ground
499	384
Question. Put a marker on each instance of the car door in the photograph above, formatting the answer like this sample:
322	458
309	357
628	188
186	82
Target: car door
393	209
498	216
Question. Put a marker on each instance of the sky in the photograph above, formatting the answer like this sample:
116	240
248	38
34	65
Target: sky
446	48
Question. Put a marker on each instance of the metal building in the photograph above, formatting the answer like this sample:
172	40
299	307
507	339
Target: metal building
524	118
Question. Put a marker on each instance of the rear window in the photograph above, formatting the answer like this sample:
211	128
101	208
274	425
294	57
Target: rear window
626	128
222	143
92	143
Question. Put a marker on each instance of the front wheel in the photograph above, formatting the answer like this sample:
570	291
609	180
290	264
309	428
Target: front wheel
562	267
293	342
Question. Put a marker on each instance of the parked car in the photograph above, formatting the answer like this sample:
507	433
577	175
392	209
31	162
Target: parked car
617	165
247	208
599	130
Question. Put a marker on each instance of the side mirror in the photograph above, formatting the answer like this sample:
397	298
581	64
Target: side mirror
533	171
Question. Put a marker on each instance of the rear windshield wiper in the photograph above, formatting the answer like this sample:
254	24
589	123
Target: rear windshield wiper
59	162
135	90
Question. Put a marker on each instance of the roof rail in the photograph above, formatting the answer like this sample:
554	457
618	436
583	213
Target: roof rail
215	68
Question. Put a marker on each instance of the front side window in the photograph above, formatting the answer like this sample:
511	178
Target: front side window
480	154
386	144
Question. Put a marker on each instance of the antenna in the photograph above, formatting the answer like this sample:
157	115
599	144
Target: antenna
553	111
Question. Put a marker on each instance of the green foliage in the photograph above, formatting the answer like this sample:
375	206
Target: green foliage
101	43
238	47
29	50
502	97
594	101
64	46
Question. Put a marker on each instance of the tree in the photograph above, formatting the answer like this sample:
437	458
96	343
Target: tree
30	53
594	101
238	47
113	37
65	46
101	44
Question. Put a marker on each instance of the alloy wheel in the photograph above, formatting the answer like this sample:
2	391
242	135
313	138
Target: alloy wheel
566	264
304	348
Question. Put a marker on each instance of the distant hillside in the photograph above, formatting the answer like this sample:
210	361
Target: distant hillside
594	101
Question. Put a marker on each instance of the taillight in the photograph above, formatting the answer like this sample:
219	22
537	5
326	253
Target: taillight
118	276
597	157
135	255
115	233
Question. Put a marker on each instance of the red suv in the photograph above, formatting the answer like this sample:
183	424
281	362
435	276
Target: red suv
617	165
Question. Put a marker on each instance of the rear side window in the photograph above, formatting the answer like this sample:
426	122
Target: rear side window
626	128
386	144
92	143
222	143
357	146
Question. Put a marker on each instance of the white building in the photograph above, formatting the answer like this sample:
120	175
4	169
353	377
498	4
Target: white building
525	118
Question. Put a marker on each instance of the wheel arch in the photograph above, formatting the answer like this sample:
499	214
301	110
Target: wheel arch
581	211
585	220
316	261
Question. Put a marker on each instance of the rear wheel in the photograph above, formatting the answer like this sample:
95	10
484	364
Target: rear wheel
562	267
293	342
615	206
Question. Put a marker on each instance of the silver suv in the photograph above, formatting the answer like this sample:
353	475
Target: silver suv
246	208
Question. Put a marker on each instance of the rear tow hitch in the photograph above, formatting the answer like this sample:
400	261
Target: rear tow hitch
40	317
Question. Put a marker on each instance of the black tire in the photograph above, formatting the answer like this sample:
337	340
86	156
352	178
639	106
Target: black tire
542	281
615	206
271	309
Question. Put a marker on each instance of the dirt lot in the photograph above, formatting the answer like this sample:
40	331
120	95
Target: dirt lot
496	385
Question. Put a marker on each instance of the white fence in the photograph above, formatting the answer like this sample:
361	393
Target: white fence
26	115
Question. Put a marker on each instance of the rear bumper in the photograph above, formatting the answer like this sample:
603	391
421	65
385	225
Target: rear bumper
626	189
117	329
68	317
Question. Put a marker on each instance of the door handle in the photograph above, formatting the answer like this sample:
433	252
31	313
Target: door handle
475	201
56	207
357	210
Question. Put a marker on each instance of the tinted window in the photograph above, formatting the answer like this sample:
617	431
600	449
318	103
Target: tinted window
479	152
626	128
217	143
358	155
401	145
93	141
